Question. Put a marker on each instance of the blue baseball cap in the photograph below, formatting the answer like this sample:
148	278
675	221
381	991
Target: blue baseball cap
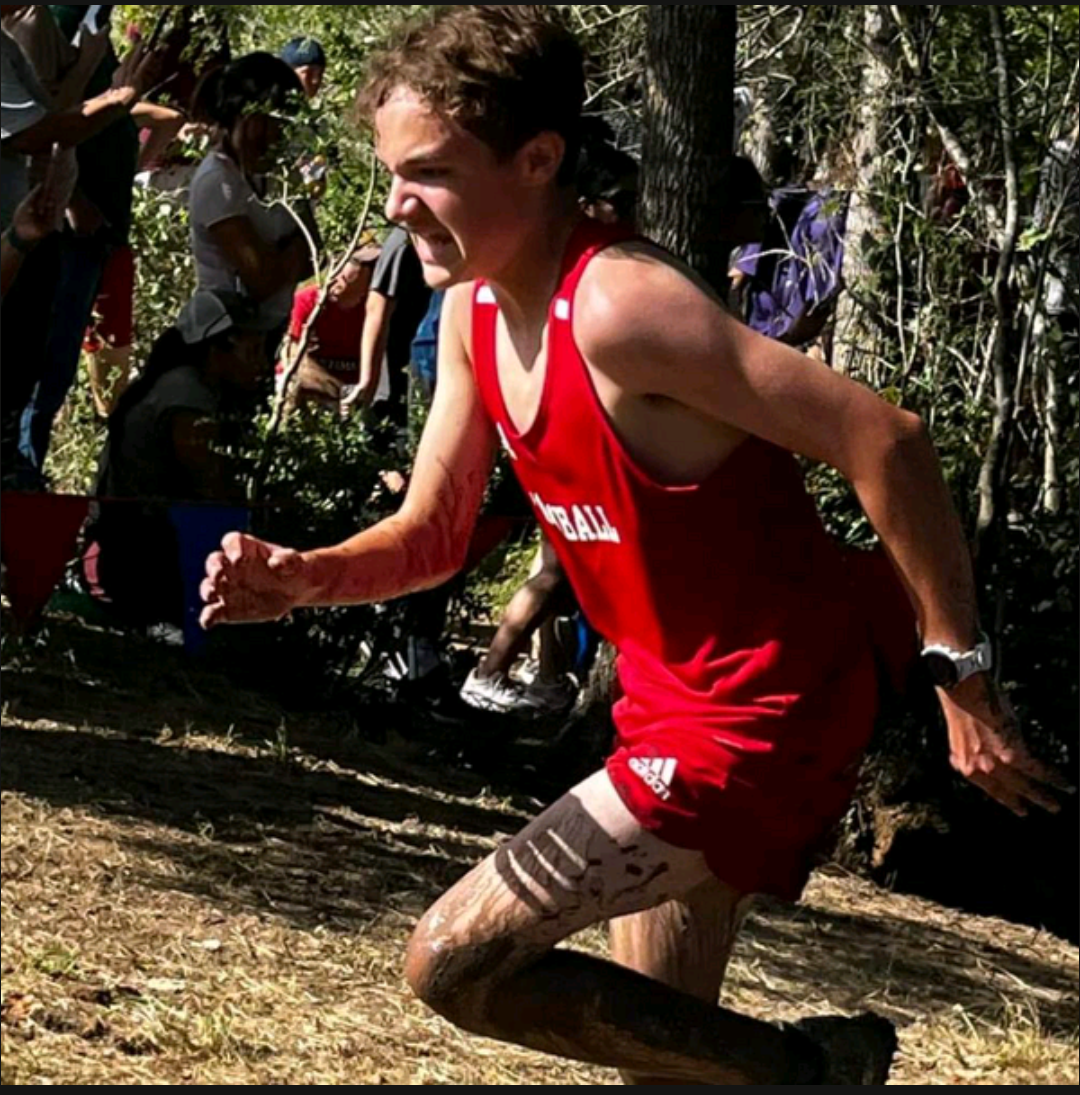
303	52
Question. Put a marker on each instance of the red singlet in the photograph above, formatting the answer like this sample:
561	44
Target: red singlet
749	684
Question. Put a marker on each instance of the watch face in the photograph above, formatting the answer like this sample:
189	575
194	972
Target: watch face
942	669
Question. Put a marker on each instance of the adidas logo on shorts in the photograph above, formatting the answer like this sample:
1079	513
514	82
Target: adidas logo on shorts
658	775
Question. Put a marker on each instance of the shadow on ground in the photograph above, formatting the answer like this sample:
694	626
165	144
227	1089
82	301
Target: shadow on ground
341	843
327	849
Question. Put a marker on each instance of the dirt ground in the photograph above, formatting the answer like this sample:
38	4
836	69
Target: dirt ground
199	888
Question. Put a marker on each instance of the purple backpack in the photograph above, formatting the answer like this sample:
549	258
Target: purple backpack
798	270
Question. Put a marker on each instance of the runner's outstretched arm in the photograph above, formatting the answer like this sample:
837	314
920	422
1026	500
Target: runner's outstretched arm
419	548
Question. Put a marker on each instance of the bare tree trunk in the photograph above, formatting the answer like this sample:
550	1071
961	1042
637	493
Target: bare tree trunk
992	478
690	131
856	335
1039	346
765	39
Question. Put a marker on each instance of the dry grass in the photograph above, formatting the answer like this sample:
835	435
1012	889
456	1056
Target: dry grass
198	892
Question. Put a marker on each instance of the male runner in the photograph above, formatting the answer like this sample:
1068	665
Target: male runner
654	434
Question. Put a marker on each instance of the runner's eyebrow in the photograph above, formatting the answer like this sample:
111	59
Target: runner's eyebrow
425	157
422	156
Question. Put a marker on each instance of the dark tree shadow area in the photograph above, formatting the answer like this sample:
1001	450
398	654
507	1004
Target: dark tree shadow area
86	676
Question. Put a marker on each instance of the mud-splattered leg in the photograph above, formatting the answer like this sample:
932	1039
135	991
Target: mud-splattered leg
485	957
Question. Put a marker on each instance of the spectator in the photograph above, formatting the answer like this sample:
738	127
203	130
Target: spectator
109	337
548	689
787	271
26	105
63	71
99	221
159	127
165	444
194	41
396	305
949	194
331	365
424	355
36	218
307	58
31	336
242	242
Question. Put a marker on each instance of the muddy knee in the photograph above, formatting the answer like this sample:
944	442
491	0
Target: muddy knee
452	974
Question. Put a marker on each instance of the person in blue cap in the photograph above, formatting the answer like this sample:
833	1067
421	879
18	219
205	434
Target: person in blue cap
307	58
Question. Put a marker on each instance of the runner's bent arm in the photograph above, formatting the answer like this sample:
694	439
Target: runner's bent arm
655	331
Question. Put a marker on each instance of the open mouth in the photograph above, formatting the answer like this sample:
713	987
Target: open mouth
431	245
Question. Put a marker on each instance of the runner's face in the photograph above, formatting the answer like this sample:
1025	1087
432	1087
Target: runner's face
462	206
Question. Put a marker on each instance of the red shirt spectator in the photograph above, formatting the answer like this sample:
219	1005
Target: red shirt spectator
335	342
332	360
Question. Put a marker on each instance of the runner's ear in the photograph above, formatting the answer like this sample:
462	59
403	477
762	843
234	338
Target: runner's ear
541	159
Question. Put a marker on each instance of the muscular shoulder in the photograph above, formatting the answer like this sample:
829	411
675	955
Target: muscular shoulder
639	313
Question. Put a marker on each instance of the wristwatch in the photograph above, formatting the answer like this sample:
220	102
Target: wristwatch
950	668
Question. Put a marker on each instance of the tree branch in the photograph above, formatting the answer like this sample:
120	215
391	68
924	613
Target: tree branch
774	51
293	367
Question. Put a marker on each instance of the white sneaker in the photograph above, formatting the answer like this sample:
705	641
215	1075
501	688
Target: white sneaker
528	671
554	697
498	693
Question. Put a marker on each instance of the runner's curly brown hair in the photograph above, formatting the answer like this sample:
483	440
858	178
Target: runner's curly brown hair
503	72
